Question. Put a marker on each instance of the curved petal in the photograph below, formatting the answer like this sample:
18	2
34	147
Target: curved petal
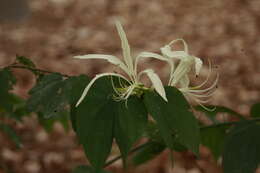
152	55
85	92
167	51
156	82
183	42
182	69
125	46
184	81
110	58
198	65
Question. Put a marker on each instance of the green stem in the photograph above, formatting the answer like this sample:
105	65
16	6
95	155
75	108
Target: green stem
201	128
33	69
139	147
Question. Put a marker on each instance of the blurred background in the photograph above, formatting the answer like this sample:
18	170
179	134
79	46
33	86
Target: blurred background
51	32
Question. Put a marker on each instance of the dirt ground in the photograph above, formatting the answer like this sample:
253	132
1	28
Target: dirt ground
51	32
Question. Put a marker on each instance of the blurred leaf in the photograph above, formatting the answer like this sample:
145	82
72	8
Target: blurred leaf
255	110
218	109
174	118
94	122
130	122
86	169
8	130
19	109
148	153
25	61
48	123
7	80
242	148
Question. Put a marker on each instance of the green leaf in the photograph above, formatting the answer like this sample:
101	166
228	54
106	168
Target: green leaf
214	138
87	169
174	118
242	149
52	94
148	153
11	134
255	110
130	122
25	61
47	96
218	109
19	109
94	122
75	87
7	80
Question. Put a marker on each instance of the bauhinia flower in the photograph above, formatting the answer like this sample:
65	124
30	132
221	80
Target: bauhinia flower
129	66
179	77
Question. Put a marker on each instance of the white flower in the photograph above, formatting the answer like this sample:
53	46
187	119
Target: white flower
179	77
129	66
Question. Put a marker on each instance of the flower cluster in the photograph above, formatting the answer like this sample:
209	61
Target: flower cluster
178	77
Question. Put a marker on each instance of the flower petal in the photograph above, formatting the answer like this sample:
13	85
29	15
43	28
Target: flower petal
152	55
156	82
110	58
167	51
85	92
198	65
155	56
182	69
125	46
184	81
183	42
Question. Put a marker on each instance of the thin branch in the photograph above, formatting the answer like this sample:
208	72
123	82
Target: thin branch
33	69
132	151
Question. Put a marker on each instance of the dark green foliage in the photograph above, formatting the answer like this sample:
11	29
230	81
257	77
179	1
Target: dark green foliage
130	121
48	96
19	109
242	148
255	110
52	94
7	80
214	138
148	153
174	118
25	61
87	169
99	119
47	123
8	130
94	122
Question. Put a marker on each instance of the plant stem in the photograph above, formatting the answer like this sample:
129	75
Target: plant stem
33	69
139	147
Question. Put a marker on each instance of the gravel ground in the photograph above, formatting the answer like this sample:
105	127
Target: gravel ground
50	32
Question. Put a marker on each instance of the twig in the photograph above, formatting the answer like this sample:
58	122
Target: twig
33	69
132	151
